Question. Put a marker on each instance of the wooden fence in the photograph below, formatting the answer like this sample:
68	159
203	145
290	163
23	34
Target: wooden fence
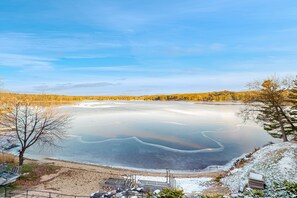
39	194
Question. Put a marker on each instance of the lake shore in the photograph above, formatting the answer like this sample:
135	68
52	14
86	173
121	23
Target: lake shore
83	179
126	170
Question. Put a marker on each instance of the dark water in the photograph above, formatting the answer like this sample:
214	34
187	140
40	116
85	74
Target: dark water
156	135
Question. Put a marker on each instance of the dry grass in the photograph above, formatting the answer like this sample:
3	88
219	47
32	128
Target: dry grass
241	162
32	173
219	177
7	158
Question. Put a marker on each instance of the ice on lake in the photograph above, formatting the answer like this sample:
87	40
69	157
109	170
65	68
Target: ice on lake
156	135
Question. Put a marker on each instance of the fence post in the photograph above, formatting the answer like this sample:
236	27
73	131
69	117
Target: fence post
167	175
49	194
27	192
5	191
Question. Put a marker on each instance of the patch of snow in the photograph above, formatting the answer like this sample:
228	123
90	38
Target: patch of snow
256	176
276	162
157	191
150	178
188	185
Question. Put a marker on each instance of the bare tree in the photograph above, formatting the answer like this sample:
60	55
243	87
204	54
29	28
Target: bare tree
268	105
33	125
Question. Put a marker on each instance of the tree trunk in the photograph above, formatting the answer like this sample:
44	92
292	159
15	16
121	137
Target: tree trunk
285	139
21	158
284	135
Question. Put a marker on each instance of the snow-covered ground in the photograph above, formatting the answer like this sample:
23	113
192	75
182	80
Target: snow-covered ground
188	185
7	141
276	162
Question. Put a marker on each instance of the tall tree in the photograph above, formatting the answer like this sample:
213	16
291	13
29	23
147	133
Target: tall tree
33	125
1	92
268	105
293	101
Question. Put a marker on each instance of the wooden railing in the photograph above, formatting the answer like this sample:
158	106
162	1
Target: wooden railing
38	193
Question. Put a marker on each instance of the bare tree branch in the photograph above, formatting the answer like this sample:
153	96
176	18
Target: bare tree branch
34	125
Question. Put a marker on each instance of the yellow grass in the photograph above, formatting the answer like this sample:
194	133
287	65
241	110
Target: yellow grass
7	158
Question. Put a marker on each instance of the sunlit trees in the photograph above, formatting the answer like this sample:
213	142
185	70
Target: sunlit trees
33	125
49	99
269	106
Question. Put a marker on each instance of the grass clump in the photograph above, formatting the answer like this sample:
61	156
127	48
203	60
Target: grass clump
32	173
219	177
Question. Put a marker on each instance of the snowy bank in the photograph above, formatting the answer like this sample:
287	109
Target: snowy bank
276	162
188	185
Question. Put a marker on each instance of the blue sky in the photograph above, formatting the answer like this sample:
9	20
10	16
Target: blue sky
137	47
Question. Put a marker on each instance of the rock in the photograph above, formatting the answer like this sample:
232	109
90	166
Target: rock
157	191
140	190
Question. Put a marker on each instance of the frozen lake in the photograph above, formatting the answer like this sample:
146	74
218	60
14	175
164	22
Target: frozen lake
156	135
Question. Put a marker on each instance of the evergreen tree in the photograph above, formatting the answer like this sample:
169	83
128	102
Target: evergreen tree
293	110
268	105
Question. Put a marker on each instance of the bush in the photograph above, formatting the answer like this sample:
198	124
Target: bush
170	193
283	189
287	187
218	178
257	193
212	196
290	187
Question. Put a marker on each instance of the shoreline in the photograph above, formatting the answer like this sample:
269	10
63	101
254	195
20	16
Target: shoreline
79	179
82	179
130	170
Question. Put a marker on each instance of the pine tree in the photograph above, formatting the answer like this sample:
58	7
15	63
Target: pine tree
272	97
268	105
293	109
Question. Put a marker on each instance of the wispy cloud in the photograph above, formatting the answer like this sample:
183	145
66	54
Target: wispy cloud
67	86
288	30
87	56
104	69
55	42
25	61
196	49
268	64
156	46
137	69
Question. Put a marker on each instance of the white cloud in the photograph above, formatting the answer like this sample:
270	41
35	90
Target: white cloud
67	86
53	42
25	61
195	50
104	69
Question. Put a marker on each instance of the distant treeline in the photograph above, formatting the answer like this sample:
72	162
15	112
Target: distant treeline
49	99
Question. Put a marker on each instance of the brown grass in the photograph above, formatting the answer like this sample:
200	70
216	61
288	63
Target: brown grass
7	158
32	173
219	177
